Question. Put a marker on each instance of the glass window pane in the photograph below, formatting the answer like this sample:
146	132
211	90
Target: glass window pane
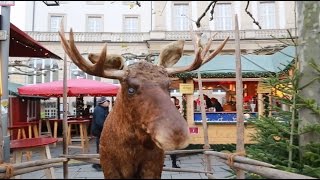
223	16
180	17
131	24
46	76
55	23
95	24
267	15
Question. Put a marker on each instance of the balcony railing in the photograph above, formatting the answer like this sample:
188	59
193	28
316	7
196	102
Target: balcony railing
167	35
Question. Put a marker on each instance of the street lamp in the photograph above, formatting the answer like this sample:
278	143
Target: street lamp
51	3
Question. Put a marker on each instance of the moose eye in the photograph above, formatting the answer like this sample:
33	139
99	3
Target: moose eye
131	90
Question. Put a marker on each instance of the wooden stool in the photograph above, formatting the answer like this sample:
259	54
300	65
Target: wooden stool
83	134
33	125
21	131
49	132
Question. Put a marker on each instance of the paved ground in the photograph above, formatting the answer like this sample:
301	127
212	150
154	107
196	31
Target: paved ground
82	170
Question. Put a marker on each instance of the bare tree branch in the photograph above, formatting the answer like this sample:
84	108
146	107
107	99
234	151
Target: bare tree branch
138	3
254	21
212	10
204	13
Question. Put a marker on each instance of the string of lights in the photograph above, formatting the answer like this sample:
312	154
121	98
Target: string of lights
28	46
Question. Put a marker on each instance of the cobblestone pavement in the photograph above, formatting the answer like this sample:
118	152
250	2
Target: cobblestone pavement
82	170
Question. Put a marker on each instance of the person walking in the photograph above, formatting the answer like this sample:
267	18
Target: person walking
100	114
173	157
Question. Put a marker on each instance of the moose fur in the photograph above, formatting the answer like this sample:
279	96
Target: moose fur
144	122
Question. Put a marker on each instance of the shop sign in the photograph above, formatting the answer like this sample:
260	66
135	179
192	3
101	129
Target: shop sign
194	130
262	88
186	88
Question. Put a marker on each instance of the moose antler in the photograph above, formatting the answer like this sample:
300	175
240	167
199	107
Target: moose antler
201	55
99	64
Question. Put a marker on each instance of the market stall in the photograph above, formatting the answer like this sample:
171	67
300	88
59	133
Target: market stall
218	81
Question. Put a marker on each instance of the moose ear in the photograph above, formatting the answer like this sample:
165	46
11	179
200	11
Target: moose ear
113	61
171	53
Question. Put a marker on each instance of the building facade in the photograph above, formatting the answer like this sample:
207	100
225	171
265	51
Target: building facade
140	30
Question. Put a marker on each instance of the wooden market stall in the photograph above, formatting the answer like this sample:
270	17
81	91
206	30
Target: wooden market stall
218	81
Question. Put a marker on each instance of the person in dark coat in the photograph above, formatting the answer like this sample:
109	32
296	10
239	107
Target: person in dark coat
216	104
173	157
100	114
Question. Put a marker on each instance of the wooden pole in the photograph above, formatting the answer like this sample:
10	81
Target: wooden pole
267	172
34	163
239	98
204	124
65	123
27	170
185	151
239	159
184	170
203	112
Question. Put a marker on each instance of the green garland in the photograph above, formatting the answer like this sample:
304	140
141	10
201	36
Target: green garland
208	74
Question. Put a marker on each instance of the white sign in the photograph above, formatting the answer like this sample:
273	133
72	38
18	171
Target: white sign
6	3
3	35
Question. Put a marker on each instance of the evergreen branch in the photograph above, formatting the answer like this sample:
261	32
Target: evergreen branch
309	83
280	40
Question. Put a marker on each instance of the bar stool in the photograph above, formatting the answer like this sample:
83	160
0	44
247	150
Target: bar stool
21	135
53	133
21	131
83	134
33	128
47	123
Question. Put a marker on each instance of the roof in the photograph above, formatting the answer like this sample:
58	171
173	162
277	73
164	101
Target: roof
13	88
22	45
75	87
252	65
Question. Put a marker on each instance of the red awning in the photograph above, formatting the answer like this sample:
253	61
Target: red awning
22	45
75	87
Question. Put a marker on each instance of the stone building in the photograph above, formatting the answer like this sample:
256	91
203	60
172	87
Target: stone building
129	29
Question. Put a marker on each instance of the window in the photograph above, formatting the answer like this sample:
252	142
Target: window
46	68
267	15
55	21
50	109
76	73
94	23
223	16
32	110
180	16
131	24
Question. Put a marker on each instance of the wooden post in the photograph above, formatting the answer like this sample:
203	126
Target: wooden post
239	98
65	123
260	105
204	124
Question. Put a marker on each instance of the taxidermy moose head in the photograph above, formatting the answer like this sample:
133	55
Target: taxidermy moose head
143	122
